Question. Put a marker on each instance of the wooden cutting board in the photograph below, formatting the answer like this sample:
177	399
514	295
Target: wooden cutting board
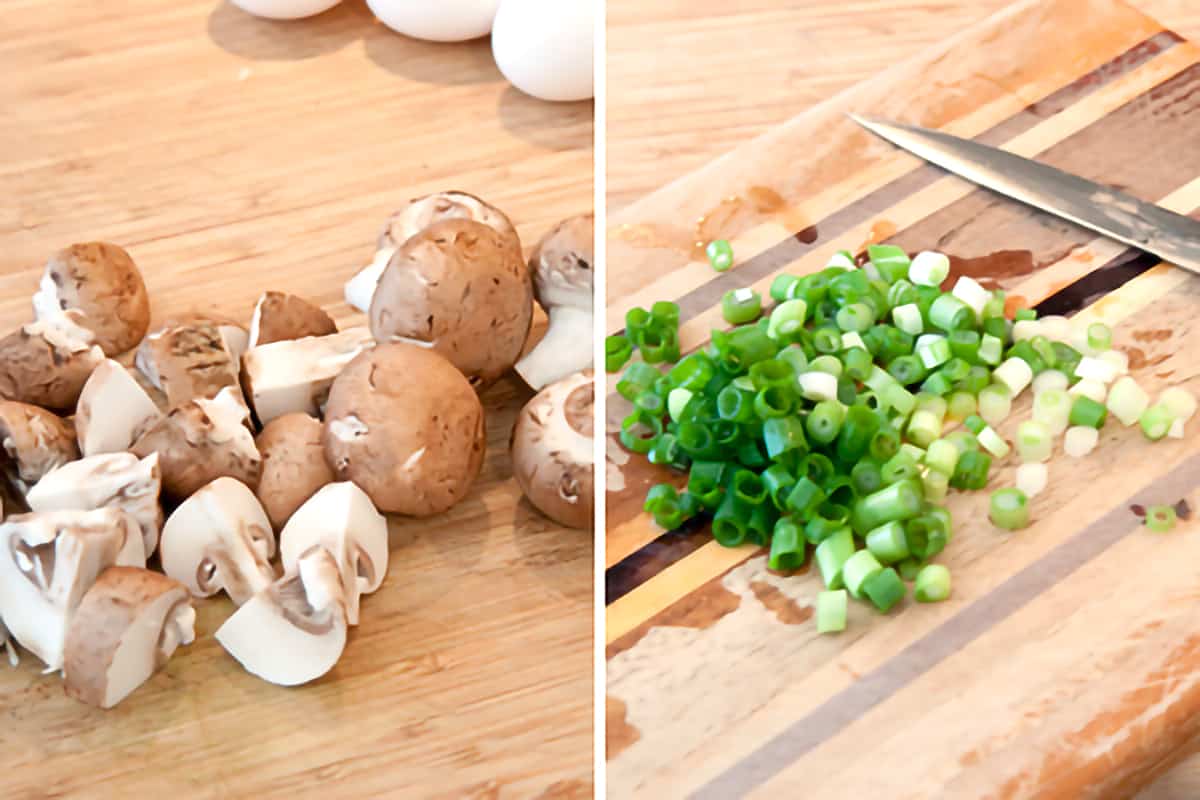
232	155
1065	664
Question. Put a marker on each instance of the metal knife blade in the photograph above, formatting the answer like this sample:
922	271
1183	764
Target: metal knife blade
1170	236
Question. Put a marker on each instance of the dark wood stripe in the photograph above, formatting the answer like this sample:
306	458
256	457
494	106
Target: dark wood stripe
1096	284
843	709
635	569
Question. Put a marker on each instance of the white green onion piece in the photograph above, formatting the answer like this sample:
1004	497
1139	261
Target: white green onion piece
1126	401
1034	443
1014	374
908	319
1180	402
1099	337
1052	408
818	385
1176	429
932	584
795	310
1117	360
995	403
992	442
1080	440
1156	421
1055	327
852	339
841	260
991	349
972	293
746	383
1092	368
912	451
1050	379
1091	389
1025	329
1032	478
857	569
872	271
935	351
677	400
831	611
929	268
879	380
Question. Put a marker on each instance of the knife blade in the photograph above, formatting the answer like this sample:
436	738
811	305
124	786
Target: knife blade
1146	226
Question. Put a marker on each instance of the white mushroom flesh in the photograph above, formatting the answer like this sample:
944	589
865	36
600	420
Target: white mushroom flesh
110	480
361	288
565	349
295	375
61	331
131	666
113	410
46	302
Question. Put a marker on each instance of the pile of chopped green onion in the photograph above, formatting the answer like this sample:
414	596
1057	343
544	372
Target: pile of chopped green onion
826	420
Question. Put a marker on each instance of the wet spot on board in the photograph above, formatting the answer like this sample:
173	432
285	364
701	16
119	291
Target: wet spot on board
993	268
618	733
1157	335
1139	360
699	609
786	610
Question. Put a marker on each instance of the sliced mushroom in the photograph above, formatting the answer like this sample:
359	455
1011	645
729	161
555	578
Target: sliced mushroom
108	480
562	281
200	441
459	288
415	217
113	411
101	280
126	628
294	466
405	425
233	333
35	441
294	376
278	317
294	631
552	450
341	519
47	563
219	538
188	362
46	363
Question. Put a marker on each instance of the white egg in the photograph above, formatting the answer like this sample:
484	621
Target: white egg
544	47
441	21
285	9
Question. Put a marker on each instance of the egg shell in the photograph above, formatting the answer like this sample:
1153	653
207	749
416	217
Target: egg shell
544	47
285	9
442	21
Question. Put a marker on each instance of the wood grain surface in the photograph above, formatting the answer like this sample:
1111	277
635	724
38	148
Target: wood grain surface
1063	665
232	155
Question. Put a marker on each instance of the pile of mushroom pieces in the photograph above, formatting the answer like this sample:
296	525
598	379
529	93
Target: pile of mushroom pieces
259	460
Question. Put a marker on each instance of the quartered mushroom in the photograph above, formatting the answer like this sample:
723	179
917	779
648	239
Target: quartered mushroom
278	317
294	631
200	441
35	441
113	410
457	287
340	519
415	217
293	465
219	539
562	281
188	362
101	280
45	363
552	450
47	563
294	376
413	445
108	480
233	333
127	626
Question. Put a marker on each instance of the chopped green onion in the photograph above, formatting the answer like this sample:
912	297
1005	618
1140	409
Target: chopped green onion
1127	401
787	546
843	260
617	351
857	569
1089	388
1052	408
1050	379
961	405
1095	369
991	349
934	352
1033	441
826	363
832	554
936	485
949	313
932	584
887	543
740	306
1024	314
818	386
972	469
1160	519
1086	411
788	313
720	254
884	589
1080	440
899	501
1014	374
1009	509
855	317
969	291
923	427
677	401
824	421
908	319
1117	360
1180	402
1032	478
995	403
831	611
929	269
942	455
1099	336
1156	421
992	442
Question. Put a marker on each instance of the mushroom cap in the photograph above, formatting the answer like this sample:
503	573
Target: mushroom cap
101	280
35	441
293	465
459	288
404	425
232	332
219	538
189	361
562	264
126	627
279	316
552	450
421	212
47	362
200	441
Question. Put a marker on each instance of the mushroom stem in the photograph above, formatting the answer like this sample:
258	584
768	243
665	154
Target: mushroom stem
565	349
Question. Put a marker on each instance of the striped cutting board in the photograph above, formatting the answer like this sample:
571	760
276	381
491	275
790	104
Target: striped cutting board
1067	662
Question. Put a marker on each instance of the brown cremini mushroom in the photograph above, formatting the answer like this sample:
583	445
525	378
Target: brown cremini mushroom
415	217
126	628
552	450
459	288
293	465
46	363
278	317
189	361
101	280
405	425
35	441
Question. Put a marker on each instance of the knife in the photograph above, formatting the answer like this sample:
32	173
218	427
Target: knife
1146	226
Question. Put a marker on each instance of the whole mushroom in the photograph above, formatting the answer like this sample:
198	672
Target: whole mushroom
405	425
35	441
562	281
101	280
293	465
552	450
460	288
46	363
278	317
415	217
